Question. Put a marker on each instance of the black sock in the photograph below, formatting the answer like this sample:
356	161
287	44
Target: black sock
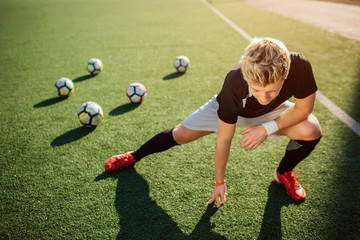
296	151
158	143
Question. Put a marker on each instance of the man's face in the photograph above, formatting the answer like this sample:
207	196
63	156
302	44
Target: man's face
265	95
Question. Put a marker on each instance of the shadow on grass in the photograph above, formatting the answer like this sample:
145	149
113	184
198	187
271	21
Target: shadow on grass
203	228
55	100
127	107
71	136
344	208
356	102
49	102
173	75
83	78
141	218
271	224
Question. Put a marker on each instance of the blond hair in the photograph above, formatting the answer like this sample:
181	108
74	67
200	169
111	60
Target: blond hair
265	61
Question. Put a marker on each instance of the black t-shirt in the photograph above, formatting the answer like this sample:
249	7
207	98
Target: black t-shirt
236	100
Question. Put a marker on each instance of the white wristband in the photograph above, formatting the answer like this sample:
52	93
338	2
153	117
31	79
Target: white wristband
270	127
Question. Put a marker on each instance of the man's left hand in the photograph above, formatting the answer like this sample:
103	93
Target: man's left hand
254	136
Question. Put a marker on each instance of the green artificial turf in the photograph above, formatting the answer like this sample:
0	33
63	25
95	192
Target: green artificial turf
52	179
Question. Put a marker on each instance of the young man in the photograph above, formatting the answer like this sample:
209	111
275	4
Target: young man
254	94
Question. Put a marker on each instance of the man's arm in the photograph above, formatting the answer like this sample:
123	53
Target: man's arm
294	115
299	112
225	133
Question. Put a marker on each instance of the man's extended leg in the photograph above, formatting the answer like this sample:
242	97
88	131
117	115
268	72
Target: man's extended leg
160	142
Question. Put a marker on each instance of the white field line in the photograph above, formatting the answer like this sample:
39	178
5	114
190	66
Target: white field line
233	25
343	116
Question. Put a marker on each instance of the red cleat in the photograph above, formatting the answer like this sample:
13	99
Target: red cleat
119	162
293	188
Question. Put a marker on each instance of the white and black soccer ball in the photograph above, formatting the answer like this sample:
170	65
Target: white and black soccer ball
181	64
64	87
94	66
136	92
90	114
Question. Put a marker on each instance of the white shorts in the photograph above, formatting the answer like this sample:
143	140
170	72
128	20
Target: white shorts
206	118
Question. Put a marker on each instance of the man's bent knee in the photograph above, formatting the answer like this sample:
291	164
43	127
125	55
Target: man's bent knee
307	130
314	129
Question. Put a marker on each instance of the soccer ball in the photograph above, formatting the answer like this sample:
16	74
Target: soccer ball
90	114
64	87
181	63
136	92
94	66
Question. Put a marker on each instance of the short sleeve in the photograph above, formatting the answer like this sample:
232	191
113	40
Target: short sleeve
305	84
229	98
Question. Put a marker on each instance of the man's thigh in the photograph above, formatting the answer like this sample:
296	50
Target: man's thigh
264	118
203	119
